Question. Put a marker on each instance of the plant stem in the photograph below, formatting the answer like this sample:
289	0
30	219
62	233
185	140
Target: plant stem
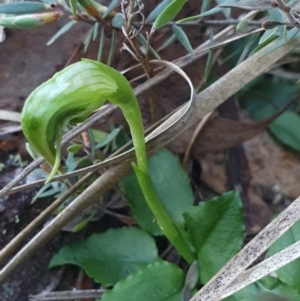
162	217
133	116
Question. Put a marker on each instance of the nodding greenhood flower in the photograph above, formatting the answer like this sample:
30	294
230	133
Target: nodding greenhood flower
30	21
70	96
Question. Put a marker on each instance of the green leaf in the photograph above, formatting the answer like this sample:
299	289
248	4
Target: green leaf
286	129
277	16
168	13
31	20
267	34
289	274
74	148
111	256
88	39
183	39
212	226
287	292
278	291
264	98
109	138
242	26
95	31
117	21
205	5
62	31
167	43
73	4
291	34
157	10
172	186
101	45
112	48
252	292
261	5
144	42
160	281
19	8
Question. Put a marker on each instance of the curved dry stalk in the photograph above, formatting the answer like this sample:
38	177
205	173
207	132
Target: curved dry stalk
207	101
199	127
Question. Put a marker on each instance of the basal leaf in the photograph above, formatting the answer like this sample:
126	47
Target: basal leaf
286	129
216	229
285	293
169	13
111	256
277	290
183	39
172	186
19	8
160	281
289	274
252	292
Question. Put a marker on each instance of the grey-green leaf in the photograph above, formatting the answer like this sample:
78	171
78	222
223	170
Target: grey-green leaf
172	186
157	10
167	43
19	8
113	4
143	41
289	274
62	31
160	281
277	16
286	129
111	256
183	39
261	5
117	21
169	13
213	225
